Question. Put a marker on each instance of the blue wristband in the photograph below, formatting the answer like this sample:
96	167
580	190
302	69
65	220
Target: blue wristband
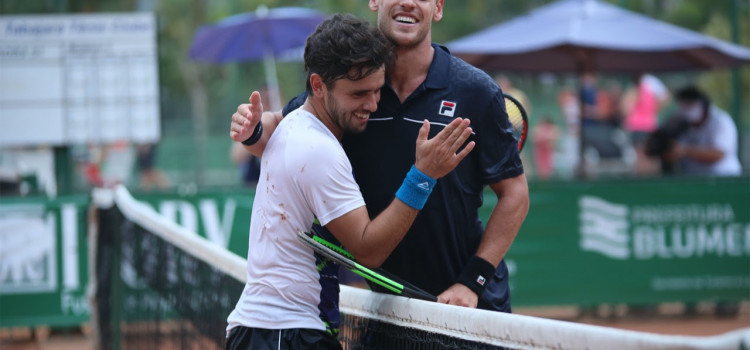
416	188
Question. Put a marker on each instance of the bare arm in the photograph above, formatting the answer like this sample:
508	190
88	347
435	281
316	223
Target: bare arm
502	226
506	218
706	155
246	119
371	242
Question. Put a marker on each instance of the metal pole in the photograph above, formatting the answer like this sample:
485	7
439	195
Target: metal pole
269	65
585	66
736	106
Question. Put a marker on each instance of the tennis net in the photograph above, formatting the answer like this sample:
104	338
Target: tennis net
156	285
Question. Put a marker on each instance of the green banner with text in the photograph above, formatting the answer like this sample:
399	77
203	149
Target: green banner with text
633	241
583	243
43	261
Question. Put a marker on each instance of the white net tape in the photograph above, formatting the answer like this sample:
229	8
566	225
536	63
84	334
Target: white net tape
508	330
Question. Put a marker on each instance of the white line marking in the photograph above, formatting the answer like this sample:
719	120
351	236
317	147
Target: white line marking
431	123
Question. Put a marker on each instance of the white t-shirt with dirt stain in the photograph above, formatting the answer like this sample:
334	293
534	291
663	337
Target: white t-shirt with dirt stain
305	174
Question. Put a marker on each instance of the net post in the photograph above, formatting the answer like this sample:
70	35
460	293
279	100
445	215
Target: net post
92	219
116	287
104	269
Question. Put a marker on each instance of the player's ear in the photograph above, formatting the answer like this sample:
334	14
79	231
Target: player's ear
317	85
438	15
374	5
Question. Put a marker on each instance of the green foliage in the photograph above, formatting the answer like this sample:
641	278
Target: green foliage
230	84
226	86
717	84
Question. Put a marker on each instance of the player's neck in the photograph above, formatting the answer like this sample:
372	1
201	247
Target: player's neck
410	68
317	108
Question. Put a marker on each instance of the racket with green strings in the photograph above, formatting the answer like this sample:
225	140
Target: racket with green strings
377	276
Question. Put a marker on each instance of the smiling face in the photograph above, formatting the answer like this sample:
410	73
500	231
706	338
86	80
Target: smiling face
345	59
349	103
407	23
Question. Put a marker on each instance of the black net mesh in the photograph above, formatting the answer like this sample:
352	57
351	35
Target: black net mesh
153	295
150	294
367	334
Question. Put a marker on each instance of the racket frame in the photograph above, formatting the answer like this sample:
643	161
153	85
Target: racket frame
377	276
524	118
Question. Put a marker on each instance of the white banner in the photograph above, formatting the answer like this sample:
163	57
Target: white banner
69	79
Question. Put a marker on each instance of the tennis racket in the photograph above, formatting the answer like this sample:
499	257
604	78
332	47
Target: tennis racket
378	276
518	119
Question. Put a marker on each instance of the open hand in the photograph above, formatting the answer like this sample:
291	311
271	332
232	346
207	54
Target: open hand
439	155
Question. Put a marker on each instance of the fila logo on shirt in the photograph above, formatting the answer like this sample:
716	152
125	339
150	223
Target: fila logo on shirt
447	108
481	280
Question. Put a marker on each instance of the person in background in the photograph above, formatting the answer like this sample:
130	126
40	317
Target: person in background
588	95
708	146
150	176
507	86
608	105
544	137
570	111
599	132
248	164
594	131
641	105
92	166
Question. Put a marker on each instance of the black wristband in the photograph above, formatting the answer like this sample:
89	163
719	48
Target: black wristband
257	133
477	274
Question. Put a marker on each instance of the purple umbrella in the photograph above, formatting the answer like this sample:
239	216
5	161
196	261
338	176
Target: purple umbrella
589	35
262	35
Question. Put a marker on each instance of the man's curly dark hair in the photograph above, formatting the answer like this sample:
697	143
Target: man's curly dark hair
344	46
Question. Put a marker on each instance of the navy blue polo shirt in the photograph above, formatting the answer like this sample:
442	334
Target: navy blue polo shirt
447	232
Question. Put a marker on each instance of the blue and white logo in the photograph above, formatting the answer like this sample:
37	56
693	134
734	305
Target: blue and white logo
447	108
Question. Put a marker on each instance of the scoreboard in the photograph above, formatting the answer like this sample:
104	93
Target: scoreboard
75	79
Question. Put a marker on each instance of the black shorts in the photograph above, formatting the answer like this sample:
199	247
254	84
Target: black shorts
244	338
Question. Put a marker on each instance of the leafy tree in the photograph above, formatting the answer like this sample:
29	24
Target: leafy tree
197	99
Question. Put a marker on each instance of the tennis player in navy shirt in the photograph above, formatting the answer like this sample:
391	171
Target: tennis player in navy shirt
448	251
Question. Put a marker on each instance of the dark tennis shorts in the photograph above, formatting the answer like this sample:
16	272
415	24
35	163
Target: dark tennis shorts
244	338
